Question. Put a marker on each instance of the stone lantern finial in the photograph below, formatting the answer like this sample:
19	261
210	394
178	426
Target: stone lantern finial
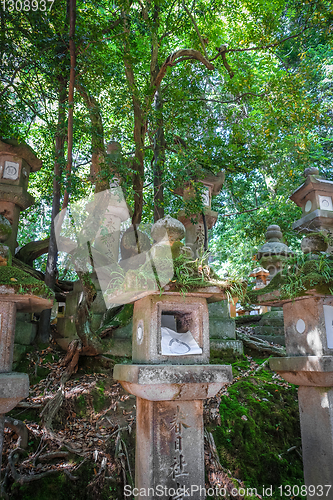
311	171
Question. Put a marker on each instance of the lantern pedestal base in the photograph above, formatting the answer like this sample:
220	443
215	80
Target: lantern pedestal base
169	425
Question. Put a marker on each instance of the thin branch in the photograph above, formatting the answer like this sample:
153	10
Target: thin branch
223	49
176	58
196	29
244	212
238	98
13	78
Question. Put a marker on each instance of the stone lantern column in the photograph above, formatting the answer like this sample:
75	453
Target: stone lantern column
20	293
170	377
271	256
308	324
273	253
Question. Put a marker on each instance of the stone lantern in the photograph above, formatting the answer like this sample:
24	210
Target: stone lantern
272	254
308	325
170	376
195	231
315	197
16	163
261	275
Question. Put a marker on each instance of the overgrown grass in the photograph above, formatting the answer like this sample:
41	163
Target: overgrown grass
300	274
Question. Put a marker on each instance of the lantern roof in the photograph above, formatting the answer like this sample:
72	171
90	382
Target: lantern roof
215	181
21	149
313	182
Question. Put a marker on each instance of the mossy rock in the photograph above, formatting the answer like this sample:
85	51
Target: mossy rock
23	283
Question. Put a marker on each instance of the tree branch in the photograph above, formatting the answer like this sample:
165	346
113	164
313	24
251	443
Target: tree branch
178	57
238	98
224	49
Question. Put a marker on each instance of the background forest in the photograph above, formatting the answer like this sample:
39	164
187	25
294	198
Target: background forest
185	87
241	85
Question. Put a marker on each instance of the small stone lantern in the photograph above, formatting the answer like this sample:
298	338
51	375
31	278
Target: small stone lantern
170	377
315	197
261	275
272	254
17	160
195	232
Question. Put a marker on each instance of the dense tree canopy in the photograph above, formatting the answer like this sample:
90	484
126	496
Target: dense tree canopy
240	85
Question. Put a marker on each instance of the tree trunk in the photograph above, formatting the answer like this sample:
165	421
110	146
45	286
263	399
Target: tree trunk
159	159
98	174
71	87
51	266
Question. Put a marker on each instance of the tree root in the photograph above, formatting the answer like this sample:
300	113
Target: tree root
258	344
70	361
28	478
21	430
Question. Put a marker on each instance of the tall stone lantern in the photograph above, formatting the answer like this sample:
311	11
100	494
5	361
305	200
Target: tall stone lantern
17	160
170	377
195	231
308	326
315	197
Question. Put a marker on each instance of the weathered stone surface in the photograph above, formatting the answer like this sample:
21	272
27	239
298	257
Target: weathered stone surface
171	382
225	344
221	326
134	243
316	417
168	228
272	254
305	370
169	447
25	332
7	332
13	388
305	328
18	354
315	198
5	228
271	327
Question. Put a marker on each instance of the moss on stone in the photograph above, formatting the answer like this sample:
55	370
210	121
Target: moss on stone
23	283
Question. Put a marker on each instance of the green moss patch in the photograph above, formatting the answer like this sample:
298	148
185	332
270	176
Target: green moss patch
23	283
259	424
